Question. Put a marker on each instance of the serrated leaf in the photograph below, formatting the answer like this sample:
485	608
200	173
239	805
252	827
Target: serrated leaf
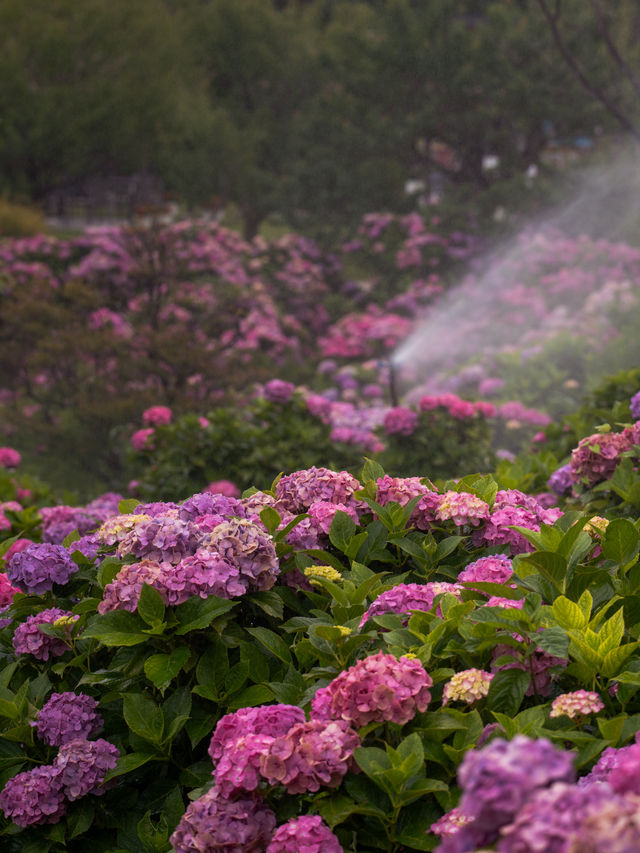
620	541
127	763
198	613
272	642
116	628
568	615
143	717
162	669
150	605
507	690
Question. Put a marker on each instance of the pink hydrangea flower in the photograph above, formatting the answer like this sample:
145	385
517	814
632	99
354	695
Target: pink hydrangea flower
310	756
322	514
377	689
18	546
83	764
578	703
28	639
272	720
468	686
278	391
223	487
449	823
400	420
306	834
297	491
238	769
408	596
157	416
249	548
34	797
123	592
141	439
9	458
462	508
7	591
493	569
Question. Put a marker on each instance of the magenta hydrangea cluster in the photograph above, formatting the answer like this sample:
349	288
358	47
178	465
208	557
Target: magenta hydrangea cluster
310	756
322	514
7	590
9	458
514	508
59	521
408	596
157	416
210	503
496	568
39	566
28	639
270	720
67	716
400	420
299	490
215	823
203	574
306	834
379	688
123	592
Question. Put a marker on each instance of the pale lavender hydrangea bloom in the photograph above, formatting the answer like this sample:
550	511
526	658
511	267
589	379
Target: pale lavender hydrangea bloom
250	549
299	490
306	834
89	545
205	573
408	596
164	537
210	823
377	689
66	716
310	755
270	720
39	566
28	639
155	508
551	818
498	780
115	529
83	764
34	797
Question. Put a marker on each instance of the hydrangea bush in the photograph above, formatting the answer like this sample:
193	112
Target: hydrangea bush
333	663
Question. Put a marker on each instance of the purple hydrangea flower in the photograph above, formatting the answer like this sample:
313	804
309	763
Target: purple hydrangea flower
307	834
208	503
89	545
597	456
39	566
377	689
499	779
634	405
59	521
212	822
610	759
28	639
164	537
310	755
614	827
408	596
560	481
83	764
249	549
66	716
551	818
399	490
34	797
270	720
205	573
322	514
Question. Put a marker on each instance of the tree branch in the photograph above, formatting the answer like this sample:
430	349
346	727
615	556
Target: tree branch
613	49
595	91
